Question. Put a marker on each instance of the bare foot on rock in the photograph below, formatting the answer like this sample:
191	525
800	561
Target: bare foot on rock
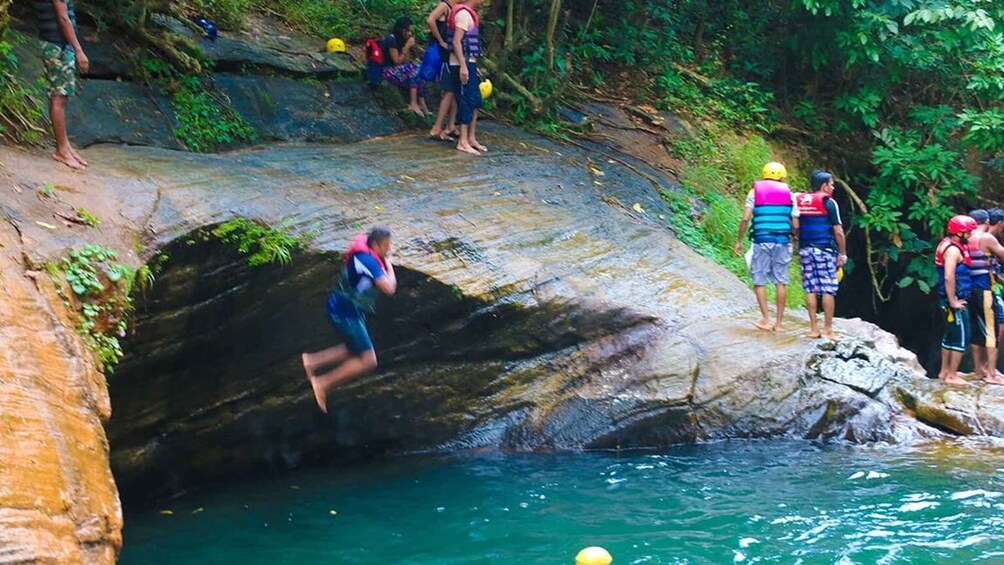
778	328
69	161
464	148
763	325
955	380
77	156
815	334
994	380
831	335
475	144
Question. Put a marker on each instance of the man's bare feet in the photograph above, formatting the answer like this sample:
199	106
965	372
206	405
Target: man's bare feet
69	161
994	380
955	380
763	325
464	148
814	333
319	395
478	146
777	328
831	335
417	110
304	358
77	156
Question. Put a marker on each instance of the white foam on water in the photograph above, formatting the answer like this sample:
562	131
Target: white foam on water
876	475
739	557
746	542
977	492
915	506
857	475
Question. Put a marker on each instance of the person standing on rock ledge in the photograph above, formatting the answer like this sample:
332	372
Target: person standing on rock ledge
465	44
822	249
775	221
367	272
62	56
951	258
983	246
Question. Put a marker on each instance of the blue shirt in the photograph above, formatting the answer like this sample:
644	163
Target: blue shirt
357	291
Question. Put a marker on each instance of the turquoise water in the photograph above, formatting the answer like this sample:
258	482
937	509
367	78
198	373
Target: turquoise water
730	502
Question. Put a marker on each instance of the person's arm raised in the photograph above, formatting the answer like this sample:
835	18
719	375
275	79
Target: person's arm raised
387	283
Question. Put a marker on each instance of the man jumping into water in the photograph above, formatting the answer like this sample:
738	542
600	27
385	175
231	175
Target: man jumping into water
367	272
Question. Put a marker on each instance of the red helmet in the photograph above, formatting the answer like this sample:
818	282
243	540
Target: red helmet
961	224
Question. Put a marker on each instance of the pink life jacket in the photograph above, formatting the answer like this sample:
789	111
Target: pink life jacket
359	245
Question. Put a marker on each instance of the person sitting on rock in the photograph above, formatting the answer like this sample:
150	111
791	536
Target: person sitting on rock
822	249
367	271
62	56
983	246
775	218
951	259
400	71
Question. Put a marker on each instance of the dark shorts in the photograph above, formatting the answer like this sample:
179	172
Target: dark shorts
446	81
819	270
983	318
357	337
956	335
468	95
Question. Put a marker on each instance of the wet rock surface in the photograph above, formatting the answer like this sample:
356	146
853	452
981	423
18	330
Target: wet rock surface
538	310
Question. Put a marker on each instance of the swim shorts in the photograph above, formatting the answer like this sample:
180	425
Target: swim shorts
357	337
770	263
60	68
956	334
819	270
983	318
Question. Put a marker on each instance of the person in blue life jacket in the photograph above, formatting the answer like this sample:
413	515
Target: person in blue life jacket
770	207
983	311
367	272
62	57
822	250
951	259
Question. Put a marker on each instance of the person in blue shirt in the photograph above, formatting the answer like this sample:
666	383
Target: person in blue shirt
366	274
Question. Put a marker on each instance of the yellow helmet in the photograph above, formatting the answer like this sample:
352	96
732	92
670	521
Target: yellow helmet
486	88
774	171
335	45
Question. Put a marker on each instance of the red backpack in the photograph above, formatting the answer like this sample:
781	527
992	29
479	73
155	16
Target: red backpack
374	54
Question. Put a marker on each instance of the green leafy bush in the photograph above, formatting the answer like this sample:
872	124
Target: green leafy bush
22	107
262	244
206	123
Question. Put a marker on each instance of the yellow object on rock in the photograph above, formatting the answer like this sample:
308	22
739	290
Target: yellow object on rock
593	556
336	45
486	88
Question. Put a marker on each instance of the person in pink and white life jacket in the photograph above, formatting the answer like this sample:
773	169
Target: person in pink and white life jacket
770	207
367	272
465	51
822	249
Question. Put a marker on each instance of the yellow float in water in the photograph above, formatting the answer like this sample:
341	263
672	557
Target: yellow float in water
335	45
593	556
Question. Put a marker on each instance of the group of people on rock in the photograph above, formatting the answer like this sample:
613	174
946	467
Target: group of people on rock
454	31
969	262
779	217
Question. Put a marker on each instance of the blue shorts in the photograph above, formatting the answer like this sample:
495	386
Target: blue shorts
957	327
468	95
819	270
357	337
446	81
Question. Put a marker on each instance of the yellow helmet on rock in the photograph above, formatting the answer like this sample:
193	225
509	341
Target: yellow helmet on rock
774	171
335	45
486	88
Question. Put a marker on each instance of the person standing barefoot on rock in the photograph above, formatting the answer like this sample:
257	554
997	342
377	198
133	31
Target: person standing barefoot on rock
951	258
62	56
822	249
438	23
775	220
983	314
465	42
367	272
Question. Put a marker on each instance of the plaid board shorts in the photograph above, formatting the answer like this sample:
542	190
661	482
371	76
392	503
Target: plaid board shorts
60	68
770	263
819	271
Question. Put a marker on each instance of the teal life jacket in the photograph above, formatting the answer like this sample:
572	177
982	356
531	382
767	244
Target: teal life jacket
772	207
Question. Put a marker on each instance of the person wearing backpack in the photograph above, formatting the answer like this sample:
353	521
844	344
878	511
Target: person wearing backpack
399	70
438	22
465	41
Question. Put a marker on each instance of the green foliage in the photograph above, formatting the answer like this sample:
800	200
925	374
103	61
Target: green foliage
22	108
206	122
47	190
262	244
87	218
101	293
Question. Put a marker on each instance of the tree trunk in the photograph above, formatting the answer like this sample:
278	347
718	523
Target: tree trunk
552	25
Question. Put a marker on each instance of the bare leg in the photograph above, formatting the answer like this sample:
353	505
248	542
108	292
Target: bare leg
463	144
979	360
782	297
811	304
990	373
829	306
452	121
953	378
943	373
329	356
761	300
353	366
413	101
474	135
63	154
446	106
